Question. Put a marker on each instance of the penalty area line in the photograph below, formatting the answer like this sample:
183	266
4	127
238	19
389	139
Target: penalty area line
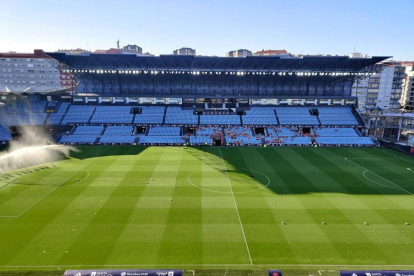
402	189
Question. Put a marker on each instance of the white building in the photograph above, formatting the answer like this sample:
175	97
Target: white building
380	91
30	73
239	53
185	51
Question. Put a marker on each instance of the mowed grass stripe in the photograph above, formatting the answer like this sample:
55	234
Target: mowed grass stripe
136	224
264	233
304	226
28	226
346	222
100	236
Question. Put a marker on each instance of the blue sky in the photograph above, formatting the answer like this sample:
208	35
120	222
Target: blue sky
376	27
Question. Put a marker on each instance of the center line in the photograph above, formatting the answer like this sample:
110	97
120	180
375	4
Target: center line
237	209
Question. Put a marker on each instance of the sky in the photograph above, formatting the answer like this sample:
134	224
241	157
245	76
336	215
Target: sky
212	27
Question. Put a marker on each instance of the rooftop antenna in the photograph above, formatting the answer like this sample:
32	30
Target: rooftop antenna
117	43
355	49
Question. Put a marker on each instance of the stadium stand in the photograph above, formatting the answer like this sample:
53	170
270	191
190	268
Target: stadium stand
208	131
200	140
176	116
152	109
220	120
336	132
88	130
339	120
292	110
111	118
164	131
148	119
257	120
113	139
55	118
282	132
344	141
161	140
79	139
298	120
295	141
78	114
241	136
4	134
261	111
118	130
23	113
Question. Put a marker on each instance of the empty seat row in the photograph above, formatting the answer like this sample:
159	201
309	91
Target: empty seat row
344	141
343	120
336	132
23	119
148	119
259	120
261	111
76	118
113	109
152	110
161	140
55	118
113	139
292	110
112	118
88	130
75	139
164	131
81	109
220	120
181	119
298	120
118	130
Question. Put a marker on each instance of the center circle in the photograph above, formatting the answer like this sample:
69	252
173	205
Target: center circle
246	182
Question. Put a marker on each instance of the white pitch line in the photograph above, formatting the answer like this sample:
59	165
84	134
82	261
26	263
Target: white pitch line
396	156
237	209
379	176
199	265
46	195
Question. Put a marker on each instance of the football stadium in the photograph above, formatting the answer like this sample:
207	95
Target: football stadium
205	165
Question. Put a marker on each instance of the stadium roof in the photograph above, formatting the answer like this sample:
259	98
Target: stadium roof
204	63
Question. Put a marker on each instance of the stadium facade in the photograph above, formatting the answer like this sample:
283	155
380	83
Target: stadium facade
251	77
200	100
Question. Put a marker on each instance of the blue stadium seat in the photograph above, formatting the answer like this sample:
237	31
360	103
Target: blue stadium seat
359	141
336	132
257	120
4	134
164	131
114	139
298	120
88	130
161	140
118	130
200	140
144	119
79	139
220	120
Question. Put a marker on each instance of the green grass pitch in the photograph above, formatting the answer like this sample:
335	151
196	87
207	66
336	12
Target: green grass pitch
177	207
